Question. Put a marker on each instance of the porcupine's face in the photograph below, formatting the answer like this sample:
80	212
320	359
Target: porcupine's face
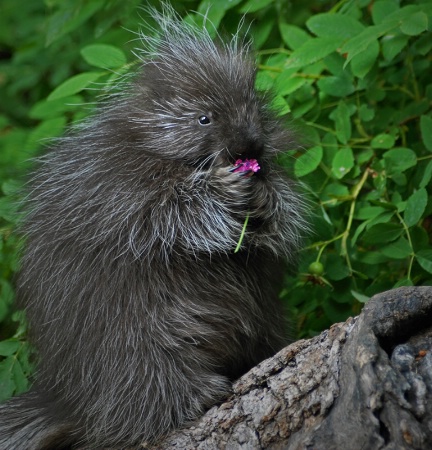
204	108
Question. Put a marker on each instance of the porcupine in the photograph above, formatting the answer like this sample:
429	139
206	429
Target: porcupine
140	309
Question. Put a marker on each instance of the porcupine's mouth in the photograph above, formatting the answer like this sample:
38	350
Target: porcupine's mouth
247	167
247	164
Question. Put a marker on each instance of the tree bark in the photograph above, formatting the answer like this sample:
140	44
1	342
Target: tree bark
363	384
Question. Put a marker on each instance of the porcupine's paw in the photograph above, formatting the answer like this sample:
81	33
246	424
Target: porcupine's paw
234	183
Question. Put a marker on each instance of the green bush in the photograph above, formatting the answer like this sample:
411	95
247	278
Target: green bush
354	77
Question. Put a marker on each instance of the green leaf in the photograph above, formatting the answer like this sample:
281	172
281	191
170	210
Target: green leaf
26	360
11	187
337	308
373	258
280	105
69	18
360	297
254	5
103	56
341	116
312	51
261	31
403	282
399	159
399	178
9	347
382	233
6	290
361	42
413	109
7	212
331	146
54	108
382	9
375	93
334	25
392	45
423	45
368	212
19	378
414	24
388	205
336	268
293	36
308	162
286	84
47	129
343	162
7	386
336	86
424	258
404	13
264	80
362	62
381	218
74	84
366	113
336	192
384	140
426	131
364	156
415	207
427	175
211	13
303	108
399	249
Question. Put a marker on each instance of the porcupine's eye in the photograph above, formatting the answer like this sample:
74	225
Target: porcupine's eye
204	120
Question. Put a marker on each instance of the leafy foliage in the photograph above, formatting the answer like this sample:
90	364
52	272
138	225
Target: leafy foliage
354	77
362	84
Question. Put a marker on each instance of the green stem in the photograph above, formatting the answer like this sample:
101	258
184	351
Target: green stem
423	158
337	6
242	234
320	127
270	68
270	51
417	95
355	192
408	235
323	244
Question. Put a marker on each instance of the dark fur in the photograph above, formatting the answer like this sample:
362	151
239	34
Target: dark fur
140	311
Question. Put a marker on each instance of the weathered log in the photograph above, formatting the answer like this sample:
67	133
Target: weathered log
363	384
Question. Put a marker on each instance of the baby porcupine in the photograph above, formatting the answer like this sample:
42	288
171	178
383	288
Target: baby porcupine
141	311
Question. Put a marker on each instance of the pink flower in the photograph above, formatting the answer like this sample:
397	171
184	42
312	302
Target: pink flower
248	165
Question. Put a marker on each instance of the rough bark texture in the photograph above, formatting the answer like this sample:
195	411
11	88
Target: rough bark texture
363	384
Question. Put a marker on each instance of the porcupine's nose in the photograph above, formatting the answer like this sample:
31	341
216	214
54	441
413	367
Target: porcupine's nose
250	144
